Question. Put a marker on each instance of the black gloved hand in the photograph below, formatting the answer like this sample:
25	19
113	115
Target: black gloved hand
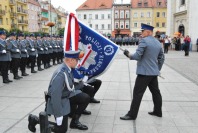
126	52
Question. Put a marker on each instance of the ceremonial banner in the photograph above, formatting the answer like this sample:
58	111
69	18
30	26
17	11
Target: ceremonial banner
99	51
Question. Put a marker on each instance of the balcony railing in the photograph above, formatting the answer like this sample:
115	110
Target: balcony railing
19	10
12	2
13	25
2	12
13	14
22	1
22	21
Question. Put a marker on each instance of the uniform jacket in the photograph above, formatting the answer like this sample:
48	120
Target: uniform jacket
58	104
54	45
45	47
50	48
4	46
31	46
23	48
40	48
14	48
149	56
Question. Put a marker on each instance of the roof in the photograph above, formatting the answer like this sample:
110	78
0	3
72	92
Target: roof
96	4
148	3
34	2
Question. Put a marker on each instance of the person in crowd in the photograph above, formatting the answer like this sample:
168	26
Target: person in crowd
187	41
5	57
150	57
166	44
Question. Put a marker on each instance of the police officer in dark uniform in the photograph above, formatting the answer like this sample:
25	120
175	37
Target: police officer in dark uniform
5	57
55	49
16	55
61	93
40	51
32	52
46	52
50	50
24	53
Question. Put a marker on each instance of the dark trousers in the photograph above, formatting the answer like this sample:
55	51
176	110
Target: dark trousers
88	90
79	103
54	57
15	65
45	60
39	59
140	87
96	84
166	47
186	49
60	129
4	69
32	61
23	64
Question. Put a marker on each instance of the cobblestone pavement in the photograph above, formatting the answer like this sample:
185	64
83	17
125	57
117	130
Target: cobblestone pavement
179	92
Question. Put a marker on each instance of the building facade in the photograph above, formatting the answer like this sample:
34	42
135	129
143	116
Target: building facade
4	15
121	19
182	18
22	14
34	13
152	12
97	14
44	16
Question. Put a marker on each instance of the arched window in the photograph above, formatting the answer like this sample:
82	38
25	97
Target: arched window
183	2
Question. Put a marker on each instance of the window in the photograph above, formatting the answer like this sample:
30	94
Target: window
158	14
90	16
121	25
90	25
146	4
79	16
135	24
148	14
1	21
7	21
109	16
139	4
127	14
85	16
122	14
135	15
164	25
127	25
159	3
103	26
6	8
116	14
142	14
183	2
102	16
116	26
157	24
96	27
109	26
96	16
163	14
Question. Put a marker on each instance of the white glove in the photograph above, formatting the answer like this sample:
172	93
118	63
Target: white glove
50	46
46	48
55	46
17	50
85	78
58	46
59	120
3	51
25	50
41	49
33	49
36	55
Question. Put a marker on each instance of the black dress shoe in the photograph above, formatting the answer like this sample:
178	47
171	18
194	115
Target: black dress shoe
40	69
9	80
127	117
6	81
93	100
33	71
25	74
16	77
85	112
78	125
33	120
155	114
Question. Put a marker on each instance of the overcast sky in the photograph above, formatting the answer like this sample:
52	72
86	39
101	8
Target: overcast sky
68	5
